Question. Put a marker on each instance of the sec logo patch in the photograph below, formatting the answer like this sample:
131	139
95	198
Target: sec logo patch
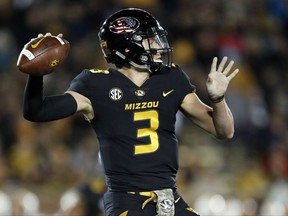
115	94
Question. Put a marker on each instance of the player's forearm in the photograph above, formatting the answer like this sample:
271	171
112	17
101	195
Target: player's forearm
33	97
39	108
223	120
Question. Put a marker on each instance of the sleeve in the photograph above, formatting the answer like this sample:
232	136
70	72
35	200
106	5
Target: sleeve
80	83
40	108
184	82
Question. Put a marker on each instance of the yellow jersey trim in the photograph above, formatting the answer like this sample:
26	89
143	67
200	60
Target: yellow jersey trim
124	213
99	71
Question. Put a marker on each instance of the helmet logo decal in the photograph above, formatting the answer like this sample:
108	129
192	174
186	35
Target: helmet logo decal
115	94
124	25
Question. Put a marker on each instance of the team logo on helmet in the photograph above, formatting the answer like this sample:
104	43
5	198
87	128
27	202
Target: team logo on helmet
124	25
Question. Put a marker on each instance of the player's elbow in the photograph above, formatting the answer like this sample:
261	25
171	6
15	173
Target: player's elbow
29	115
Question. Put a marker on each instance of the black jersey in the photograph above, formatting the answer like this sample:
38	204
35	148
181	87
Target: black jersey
135	125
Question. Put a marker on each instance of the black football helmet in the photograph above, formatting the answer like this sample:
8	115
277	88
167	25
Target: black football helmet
121	38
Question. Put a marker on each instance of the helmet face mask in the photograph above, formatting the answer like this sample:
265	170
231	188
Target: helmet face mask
157	47
134	37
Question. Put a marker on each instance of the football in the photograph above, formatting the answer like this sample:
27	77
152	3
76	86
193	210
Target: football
43	55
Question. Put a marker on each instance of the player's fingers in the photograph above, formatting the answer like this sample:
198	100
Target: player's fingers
233	74
38	36
228	68
48	34
214	64
60	35
222	63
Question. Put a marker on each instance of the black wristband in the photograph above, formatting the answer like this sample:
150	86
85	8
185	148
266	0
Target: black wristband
217	99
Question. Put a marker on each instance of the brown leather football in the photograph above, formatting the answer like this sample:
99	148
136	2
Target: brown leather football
43	55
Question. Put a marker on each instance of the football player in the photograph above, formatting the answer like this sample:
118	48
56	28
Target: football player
132	108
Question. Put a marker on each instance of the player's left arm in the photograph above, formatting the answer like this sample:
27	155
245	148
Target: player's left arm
217	119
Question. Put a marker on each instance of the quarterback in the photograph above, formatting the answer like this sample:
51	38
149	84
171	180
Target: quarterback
132	108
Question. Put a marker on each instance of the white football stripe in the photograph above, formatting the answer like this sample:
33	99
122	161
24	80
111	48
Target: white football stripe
27	53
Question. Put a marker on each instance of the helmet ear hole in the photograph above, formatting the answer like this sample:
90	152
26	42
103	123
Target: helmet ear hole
144	58
137	38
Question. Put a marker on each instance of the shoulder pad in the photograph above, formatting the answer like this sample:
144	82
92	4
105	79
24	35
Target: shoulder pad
99	71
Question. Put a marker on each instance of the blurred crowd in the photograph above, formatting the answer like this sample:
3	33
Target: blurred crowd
53	168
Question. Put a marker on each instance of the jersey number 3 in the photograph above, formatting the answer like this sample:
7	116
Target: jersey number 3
151	116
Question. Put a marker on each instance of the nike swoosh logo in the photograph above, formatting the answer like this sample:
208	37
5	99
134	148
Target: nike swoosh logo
177	200
37	43
167	93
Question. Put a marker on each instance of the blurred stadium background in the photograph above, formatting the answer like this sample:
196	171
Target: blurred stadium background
53	168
